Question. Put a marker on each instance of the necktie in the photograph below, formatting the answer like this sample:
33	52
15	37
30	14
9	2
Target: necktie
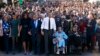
49	23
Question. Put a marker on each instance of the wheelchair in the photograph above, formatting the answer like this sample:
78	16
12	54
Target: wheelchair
57	49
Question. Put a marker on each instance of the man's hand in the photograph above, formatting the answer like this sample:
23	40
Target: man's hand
29	33
18	34
54	31
42	32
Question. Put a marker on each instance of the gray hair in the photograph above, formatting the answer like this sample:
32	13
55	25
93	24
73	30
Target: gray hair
6	15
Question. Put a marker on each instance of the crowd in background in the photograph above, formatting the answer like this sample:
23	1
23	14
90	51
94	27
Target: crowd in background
77	23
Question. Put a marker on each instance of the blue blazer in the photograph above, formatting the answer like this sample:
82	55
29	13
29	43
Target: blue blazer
34	29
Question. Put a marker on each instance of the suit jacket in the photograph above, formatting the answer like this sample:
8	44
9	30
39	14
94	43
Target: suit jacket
58	21
91	28
35	30
65	25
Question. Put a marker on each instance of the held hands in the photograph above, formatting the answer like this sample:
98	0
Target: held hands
42	32
89	25
77	34
18	34
29	33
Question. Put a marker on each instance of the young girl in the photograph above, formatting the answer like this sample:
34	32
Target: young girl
61	37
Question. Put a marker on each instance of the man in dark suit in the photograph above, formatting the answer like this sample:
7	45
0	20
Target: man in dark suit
35	26
65	24
58	20
90	31
98	32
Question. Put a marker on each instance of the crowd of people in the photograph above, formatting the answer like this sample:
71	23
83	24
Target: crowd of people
70	27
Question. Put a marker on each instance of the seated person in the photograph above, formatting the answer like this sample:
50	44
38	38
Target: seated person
60	37
74	40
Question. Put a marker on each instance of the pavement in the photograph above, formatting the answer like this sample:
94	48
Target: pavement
21	54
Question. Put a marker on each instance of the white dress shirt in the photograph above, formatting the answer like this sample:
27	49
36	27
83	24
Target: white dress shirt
45	23
1	28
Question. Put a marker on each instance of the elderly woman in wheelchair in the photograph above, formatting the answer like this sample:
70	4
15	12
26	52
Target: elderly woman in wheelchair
59	41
